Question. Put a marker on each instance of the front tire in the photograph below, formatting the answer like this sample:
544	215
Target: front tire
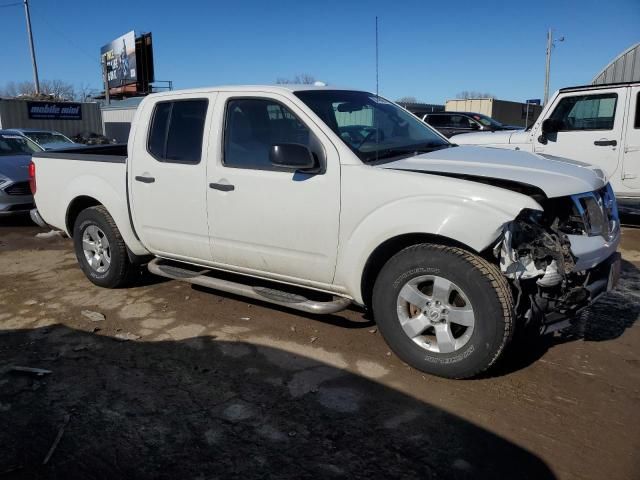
443	310
100	249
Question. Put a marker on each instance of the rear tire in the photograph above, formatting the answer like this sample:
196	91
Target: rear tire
100	249
460	314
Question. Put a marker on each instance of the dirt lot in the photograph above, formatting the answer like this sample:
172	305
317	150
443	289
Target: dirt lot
178	383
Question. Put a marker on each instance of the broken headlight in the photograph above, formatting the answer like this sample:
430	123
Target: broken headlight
598	212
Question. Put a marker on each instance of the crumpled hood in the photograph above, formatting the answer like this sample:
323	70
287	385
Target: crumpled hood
15	167
556	177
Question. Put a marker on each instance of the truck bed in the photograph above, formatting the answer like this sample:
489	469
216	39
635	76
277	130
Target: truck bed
84	174
115	153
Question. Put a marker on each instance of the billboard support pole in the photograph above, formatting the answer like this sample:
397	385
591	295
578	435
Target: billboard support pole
106	80
36	80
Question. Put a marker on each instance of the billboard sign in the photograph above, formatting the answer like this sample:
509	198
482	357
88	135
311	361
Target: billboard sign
120	59
54	110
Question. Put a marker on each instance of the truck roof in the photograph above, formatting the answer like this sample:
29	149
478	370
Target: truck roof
252	88
598	87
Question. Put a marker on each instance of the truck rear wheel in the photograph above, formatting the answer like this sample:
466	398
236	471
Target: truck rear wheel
100	249
443	310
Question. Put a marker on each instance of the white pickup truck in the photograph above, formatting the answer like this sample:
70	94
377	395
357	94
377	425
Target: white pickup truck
316	198
596	124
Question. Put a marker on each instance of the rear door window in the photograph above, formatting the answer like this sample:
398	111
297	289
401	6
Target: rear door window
177	131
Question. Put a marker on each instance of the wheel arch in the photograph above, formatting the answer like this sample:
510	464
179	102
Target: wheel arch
387	249
77	205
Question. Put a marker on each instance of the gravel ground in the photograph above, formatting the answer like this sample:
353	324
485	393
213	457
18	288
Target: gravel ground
163	380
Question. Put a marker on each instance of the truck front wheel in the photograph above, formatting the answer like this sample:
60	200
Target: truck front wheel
100	249
443	310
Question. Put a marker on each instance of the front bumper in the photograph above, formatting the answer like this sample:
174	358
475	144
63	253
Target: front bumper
15	196
557	312
10	204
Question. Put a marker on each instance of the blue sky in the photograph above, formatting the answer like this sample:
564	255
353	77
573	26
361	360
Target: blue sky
430	50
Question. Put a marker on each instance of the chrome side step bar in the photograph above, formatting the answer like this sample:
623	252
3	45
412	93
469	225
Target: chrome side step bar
163	268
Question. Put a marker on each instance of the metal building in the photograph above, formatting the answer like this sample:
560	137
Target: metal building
624	68
68	118
117	118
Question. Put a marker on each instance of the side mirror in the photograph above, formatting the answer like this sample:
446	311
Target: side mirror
550	126
474	126
292	156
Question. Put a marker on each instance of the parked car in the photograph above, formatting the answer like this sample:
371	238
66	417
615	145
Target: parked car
15	158
455	123
349	197
45	139
596	124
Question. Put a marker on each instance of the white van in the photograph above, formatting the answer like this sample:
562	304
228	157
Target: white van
599	124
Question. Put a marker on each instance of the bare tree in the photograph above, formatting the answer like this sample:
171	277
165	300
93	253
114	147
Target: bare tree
17	89
408	99
58	89
83	92
467	94
49	89
299	79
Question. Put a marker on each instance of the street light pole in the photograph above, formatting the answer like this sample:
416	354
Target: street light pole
548	67
36	81
547	73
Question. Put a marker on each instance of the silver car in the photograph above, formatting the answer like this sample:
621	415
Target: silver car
46	139
15	157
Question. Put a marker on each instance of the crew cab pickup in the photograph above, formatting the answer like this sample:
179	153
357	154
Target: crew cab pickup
596	124
315	198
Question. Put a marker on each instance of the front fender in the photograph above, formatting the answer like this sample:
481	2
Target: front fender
472	214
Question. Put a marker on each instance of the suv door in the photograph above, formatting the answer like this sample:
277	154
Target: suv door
263	220
631	159
590	128
167	178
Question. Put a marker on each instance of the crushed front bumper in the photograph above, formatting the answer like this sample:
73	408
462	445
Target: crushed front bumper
559	314
556	275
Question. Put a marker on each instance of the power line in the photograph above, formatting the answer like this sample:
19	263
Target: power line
14	4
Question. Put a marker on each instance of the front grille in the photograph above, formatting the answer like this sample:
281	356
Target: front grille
20	188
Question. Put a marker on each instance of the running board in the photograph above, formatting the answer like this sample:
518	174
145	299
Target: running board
162	268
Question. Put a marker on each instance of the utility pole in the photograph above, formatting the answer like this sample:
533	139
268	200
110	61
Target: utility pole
547	73
36	81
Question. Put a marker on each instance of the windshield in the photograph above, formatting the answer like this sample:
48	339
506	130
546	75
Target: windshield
487	121
16	145
372	127
45	138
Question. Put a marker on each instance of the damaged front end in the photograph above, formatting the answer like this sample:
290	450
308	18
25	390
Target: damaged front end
541	253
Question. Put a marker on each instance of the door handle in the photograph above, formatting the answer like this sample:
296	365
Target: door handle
145	179
223	187
605	143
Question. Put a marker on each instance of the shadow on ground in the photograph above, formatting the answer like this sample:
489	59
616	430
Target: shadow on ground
202	408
